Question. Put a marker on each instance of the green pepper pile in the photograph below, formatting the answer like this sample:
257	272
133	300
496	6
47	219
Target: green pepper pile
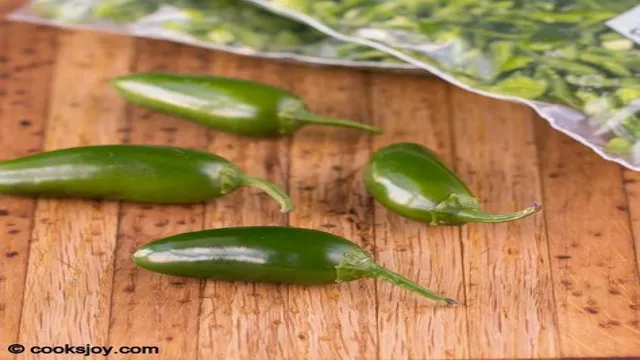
553	51
229	23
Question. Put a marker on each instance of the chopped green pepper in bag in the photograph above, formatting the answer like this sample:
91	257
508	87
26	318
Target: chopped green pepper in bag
568	59
230	25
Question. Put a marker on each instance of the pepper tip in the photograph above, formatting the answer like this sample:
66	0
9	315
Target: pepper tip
116	82
376	131
535	207
287	208
451	302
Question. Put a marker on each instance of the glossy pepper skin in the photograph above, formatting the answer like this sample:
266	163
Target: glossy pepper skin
269	255
412	181
138	173
232	105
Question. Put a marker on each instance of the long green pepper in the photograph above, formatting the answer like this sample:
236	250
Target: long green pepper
269	255
138	173
237	106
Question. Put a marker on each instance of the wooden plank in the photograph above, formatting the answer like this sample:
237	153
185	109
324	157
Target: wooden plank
149	308
410	109
69	278
7	6
242	320
510	308
26	64
631	181
509	302
597	289
336	321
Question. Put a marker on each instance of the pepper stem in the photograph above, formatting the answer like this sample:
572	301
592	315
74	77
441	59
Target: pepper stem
479	216
358	264
308	117
389	276
286	205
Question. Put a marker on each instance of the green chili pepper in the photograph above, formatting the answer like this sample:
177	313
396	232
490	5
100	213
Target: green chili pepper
410	180
571	67
236	106
139	173
516	62
125	10
269	255
608	65
627	96
501	52
558	86
521	86
619	145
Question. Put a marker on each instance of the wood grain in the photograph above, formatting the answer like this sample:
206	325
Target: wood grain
338	321
631	182
510	310
69	279
561	284
7	6
242	320
596	283
167	316
26	63
409	110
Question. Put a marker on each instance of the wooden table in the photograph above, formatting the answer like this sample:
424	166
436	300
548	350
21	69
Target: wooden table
563	283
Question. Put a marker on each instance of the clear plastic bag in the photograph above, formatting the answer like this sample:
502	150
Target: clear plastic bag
561	57
229	25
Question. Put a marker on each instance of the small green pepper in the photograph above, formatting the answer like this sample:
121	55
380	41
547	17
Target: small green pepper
410	180
236	106
269	255
139	173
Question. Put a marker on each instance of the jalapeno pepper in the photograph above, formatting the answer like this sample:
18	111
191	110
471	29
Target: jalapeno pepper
270	255
232	105
139	173
410	180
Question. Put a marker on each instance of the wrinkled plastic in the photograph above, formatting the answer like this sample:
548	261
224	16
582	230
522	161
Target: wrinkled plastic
558	56
229	25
